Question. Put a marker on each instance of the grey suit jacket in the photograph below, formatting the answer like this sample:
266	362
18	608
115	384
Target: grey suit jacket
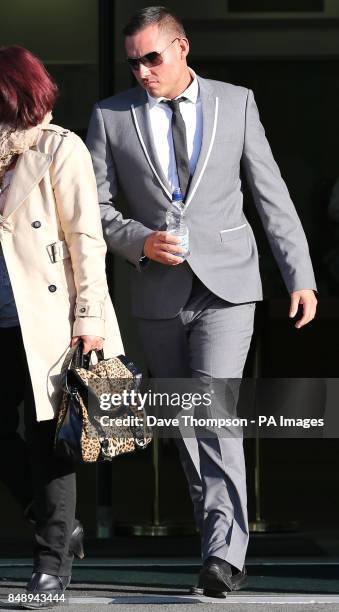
223	252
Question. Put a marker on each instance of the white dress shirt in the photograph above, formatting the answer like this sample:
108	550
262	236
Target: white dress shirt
161	118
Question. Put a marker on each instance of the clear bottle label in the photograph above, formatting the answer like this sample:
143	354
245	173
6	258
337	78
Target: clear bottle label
184	244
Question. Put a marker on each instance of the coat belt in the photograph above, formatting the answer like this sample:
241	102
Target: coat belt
58	251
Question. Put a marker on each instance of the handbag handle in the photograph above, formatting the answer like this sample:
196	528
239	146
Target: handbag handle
76	358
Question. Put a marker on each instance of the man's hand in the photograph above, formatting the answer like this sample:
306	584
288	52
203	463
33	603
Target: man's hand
307	298
160	247
94	343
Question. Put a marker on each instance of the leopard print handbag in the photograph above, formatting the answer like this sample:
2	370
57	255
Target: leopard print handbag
87	431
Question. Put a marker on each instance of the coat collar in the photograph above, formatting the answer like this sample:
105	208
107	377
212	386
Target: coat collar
141	119
30	168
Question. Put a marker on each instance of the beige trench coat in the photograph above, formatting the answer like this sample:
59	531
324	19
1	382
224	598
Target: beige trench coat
52	242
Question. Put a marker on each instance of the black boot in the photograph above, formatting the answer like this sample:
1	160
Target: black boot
76	544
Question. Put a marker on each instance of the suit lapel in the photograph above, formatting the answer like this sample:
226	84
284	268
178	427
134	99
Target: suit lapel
30	168
142	124
210	106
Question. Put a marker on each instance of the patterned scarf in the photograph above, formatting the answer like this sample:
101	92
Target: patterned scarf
14	142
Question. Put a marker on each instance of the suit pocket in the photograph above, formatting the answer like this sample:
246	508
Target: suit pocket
234	233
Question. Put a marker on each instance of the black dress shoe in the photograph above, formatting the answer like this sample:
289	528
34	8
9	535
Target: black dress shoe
238	580
215	578
46	591
76	543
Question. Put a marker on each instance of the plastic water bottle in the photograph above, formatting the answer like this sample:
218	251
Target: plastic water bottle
176	223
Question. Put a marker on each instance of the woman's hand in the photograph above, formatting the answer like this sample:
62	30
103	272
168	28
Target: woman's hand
90	342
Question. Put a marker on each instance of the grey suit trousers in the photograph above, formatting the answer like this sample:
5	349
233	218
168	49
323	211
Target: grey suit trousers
210	337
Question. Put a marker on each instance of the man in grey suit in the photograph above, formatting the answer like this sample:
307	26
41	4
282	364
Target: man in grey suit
195	316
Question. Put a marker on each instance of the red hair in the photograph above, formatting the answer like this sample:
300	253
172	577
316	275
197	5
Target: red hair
27	91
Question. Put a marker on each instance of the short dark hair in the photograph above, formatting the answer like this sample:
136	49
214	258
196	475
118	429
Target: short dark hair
151	15
27	91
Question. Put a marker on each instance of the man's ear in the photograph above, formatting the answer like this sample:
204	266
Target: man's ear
184	47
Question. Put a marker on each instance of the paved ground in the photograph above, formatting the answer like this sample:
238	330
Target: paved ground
144	585
85	601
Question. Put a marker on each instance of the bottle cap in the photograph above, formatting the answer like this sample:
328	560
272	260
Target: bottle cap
177	195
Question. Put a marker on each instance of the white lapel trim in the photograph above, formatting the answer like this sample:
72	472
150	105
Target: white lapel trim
168	193
191	195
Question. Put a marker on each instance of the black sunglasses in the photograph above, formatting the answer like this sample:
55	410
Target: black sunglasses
153	58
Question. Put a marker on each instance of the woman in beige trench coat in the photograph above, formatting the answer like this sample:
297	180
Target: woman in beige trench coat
53	290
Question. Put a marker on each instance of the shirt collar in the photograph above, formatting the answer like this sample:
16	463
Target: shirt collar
191	93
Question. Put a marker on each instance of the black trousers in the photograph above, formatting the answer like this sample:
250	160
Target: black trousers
29	468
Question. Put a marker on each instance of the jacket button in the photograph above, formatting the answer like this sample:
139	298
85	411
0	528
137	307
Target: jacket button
82	309
52	288
36	224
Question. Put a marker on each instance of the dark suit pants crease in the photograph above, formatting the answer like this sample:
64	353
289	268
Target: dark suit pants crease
28	467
